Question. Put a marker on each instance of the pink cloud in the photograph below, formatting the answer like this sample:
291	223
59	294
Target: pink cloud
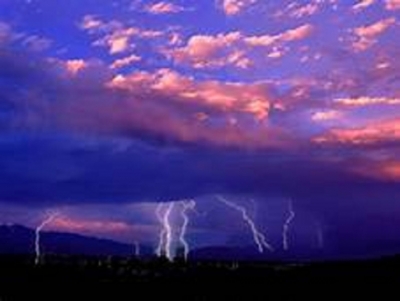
298	33
367	101
234	7
327	115
234	48
74	66
392	4
77	70
276	53
372	133
114	35
224	97
163	103
115	230
206	46
386	169
126	61
362	4
366	36
169	104
203	51
163	7
297	11
76	225
175	39
90	22
390	170
306	10
118	43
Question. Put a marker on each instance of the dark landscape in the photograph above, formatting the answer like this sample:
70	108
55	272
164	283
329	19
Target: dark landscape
126	278
123	276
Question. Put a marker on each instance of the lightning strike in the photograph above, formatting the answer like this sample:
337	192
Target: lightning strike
286	226
48	220
165	240
258	237
186	206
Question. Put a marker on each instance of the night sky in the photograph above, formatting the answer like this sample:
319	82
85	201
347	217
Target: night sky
108	108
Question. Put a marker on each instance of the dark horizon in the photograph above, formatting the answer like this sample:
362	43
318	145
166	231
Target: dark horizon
20	240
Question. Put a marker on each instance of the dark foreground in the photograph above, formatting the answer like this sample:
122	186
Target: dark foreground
74	278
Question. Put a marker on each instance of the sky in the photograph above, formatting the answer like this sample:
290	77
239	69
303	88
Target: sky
108	108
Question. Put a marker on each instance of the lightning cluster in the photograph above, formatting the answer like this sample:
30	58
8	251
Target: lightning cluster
163	214
168	236
162	217
258	237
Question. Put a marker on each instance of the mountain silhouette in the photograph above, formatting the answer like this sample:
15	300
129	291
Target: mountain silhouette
16	239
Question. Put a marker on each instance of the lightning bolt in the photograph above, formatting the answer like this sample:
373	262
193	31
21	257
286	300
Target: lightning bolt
48	220
165	240
258	237
186	205
286	226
